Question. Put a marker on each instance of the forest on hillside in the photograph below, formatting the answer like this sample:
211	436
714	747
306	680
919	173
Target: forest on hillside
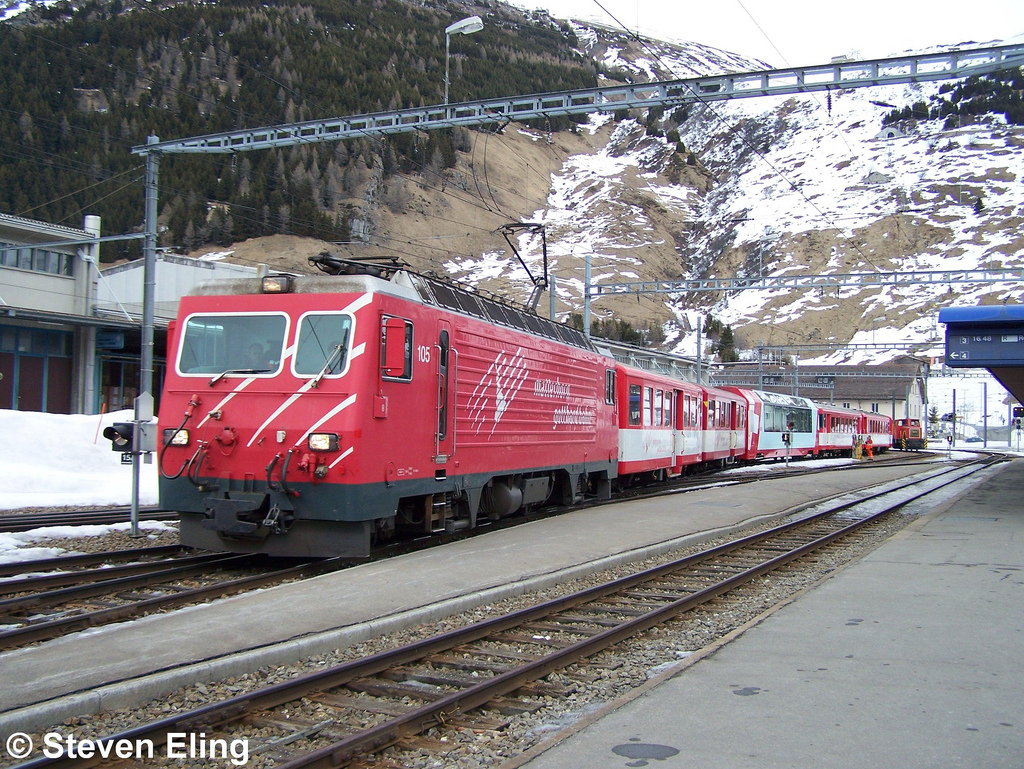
1000	93
81	87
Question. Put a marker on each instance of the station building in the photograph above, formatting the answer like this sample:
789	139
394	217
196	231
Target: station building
70	333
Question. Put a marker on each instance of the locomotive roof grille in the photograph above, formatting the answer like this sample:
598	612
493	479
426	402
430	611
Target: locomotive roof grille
411	285
451	297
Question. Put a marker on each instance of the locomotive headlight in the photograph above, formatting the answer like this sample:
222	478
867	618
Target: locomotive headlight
173	437
323	442
277	284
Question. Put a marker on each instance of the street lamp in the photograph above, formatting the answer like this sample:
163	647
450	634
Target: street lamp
466	26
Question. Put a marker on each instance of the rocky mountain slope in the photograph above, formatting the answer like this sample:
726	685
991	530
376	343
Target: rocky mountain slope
767	186
801	185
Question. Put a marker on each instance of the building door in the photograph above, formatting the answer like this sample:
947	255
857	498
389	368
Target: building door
30	383
36	369
6	380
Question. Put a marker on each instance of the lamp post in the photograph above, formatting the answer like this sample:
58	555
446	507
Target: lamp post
466	26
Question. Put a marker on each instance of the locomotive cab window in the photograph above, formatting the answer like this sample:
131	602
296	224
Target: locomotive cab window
609	386
241	344
396	349
322	348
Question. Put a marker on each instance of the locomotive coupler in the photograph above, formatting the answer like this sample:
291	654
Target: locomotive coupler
275	520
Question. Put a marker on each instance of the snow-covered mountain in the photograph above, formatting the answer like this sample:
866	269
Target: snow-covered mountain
807	184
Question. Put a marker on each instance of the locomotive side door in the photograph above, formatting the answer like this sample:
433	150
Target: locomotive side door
444	379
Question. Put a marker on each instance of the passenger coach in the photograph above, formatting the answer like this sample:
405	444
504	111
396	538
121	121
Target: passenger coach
779	426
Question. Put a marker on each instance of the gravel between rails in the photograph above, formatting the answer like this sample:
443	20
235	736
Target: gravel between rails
152	534
618	671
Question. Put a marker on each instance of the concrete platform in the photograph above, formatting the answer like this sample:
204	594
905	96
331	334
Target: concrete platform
127	664
910	657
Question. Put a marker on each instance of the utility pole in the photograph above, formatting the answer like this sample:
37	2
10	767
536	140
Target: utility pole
984	415
699	380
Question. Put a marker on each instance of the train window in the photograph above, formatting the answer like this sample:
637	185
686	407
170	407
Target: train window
686	410
801	420
659	400
406	362
669	397
322	344
634	404
712	406
227	344
609	385
648	396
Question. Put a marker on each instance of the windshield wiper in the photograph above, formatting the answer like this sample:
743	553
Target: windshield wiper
224	373
315	381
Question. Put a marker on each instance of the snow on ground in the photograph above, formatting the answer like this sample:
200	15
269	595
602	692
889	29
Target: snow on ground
62	460
16	547
55	460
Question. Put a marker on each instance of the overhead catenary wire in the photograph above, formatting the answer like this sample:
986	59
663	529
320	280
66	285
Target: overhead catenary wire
135	169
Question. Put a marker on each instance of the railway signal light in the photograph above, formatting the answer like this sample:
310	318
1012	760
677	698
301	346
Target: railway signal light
121	436
131	437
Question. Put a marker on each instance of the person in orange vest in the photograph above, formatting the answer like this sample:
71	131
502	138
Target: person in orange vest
869	448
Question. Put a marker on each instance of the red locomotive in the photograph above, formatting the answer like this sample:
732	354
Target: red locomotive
314	416
372	407
909	435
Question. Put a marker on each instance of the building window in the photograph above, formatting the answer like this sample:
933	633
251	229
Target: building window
36	259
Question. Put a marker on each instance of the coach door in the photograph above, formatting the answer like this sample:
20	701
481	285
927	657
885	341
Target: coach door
445	383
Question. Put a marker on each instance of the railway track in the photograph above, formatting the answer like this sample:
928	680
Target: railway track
15	521
47	605
478	677
70	597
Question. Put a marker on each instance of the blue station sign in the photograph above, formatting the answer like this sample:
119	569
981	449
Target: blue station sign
978	337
